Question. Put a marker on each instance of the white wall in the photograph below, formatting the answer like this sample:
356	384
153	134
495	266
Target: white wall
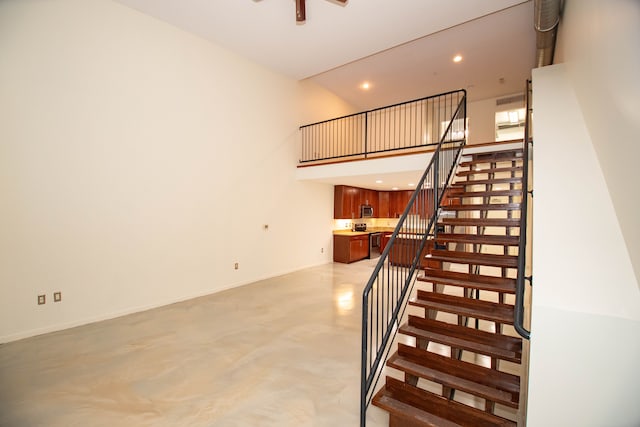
482	118
599	43
586	247
138	163
585	303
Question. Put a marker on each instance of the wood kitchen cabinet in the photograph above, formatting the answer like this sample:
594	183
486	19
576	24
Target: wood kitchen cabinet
384	240
347	248
347	201
451	197
386	204
370	197
398	201
383	205
404	249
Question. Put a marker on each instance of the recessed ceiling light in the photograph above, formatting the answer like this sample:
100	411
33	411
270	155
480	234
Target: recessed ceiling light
365	85
394	188
411	184
457	58
378	181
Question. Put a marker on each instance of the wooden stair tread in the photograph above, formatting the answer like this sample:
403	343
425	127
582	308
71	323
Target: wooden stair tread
476	308
413	416
464	183
490	384
483	207
422	408
499	346
458	257
499	154
467	163
467	280
494	193
487	239
481	222
500	175
489	170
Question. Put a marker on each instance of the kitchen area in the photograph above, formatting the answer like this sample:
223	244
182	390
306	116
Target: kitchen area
361	241
364	220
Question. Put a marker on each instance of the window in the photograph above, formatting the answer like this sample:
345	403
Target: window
510	124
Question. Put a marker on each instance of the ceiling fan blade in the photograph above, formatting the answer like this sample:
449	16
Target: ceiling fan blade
301	13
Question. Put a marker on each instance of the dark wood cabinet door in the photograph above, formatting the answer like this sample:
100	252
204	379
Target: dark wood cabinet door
348	249
361	246
355	246
451	197
383	205
346	202
386	204
384	240
393	204
341	248
398	201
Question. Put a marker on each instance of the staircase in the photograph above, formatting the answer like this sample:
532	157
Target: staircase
458	358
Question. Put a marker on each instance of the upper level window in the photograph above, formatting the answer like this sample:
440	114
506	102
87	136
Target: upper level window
510	124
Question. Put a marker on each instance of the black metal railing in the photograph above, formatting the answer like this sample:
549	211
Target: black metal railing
408	126
522	247
385	296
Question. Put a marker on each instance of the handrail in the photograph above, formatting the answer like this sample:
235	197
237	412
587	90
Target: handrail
518	323
405	127
384	298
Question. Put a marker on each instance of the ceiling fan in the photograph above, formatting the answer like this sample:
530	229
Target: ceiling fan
301	13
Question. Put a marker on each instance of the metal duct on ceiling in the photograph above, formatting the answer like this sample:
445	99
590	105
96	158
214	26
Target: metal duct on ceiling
546	19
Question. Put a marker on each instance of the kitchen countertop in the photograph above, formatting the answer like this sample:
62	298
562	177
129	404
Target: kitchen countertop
363	233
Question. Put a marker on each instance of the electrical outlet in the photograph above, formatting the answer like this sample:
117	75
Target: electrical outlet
42	299
57	296
236	266
321	250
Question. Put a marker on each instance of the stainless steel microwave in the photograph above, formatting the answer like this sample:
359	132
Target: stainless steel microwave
366	211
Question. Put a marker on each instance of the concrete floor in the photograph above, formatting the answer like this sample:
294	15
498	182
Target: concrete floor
280	352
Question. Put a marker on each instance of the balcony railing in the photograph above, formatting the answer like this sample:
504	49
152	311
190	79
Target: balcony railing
401	128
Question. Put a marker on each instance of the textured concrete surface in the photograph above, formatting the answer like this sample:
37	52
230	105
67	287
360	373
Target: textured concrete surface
280	352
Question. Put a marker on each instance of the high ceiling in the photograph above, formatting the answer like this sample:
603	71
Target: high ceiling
404	48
